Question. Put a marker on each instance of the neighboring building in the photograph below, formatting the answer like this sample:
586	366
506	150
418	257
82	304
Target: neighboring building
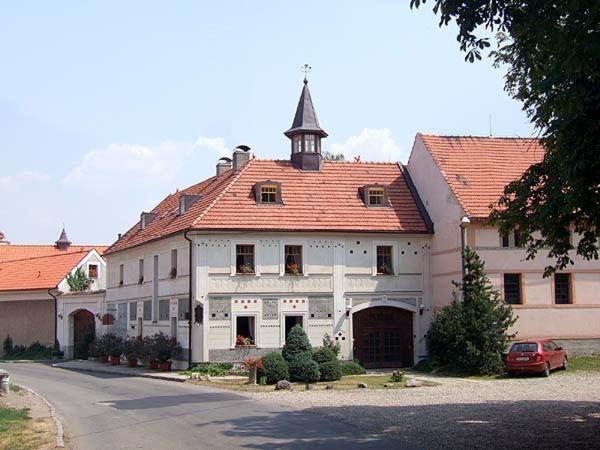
35	302
460	176
340	248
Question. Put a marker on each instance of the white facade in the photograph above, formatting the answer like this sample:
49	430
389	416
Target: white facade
339	278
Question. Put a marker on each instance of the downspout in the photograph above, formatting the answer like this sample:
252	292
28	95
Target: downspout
55	318
189	299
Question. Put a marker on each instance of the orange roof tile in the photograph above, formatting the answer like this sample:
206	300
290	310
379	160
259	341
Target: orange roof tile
478	168
312	201
43	272
11	252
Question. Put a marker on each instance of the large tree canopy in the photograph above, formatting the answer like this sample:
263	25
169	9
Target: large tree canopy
552	52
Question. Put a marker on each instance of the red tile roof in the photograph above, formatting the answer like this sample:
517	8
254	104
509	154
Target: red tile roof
477	168
43	272
11	252
312	201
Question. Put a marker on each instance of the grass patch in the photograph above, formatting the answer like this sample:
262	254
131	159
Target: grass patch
19	432
346	383
584	364
12	418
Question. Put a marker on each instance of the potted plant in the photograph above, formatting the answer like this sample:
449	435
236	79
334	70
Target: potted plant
148	352
131	350
293	269
166	348
243	341
246	268
114	348
100	349
252	364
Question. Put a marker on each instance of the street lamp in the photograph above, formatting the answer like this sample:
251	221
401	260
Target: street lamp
464	222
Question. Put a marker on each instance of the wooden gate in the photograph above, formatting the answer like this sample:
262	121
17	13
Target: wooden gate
84	331
383	337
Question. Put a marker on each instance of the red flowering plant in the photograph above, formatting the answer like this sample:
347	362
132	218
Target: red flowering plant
252	364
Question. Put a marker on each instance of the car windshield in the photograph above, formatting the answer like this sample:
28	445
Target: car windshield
524	347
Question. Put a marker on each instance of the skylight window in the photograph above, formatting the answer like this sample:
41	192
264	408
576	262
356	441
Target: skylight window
375	195
268	194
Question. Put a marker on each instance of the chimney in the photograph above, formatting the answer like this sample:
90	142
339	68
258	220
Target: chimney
223	165
241	155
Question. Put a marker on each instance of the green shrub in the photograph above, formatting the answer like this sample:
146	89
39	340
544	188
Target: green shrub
352	368
133	347
331	344
214	369
397	376
303	368
330	370
111	344
166	347
323	355
274	368
471	335
297	343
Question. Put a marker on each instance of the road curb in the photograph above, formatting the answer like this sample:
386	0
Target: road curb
60	441
133	374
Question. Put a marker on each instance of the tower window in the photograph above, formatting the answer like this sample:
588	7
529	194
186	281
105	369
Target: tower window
309	143
297	144
268	194
375	195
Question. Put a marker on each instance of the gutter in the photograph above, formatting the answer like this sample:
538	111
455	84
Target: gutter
55	318
189	299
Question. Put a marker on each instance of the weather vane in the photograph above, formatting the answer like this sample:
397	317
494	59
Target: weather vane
306	68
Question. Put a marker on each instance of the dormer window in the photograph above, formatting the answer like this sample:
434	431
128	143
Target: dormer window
375	195
146	219
268	192
186	201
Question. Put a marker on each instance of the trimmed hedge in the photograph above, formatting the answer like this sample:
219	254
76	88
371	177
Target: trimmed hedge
330	371
352	368
274	368
214	369
304	369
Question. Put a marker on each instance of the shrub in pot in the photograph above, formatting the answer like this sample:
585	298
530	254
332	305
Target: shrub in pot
113	346
275	368
252	364
101	347
148	353
132	349
166	348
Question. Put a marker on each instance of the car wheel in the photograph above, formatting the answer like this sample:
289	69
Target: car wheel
546	372
564	364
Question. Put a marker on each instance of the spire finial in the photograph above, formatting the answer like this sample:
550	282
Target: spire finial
306	68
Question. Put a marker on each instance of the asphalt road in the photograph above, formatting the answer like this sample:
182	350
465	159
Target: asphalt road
102	411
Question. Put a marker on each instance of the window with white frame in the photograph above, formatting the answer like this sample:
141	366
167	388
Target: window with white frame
245	331
147	314
163	310
132	311
173	272
93	271
141	271
244	259
183	309
293	260
385	260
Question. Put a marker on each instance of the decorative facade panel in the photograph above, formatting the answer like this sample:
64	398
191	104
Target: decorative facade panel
384	283
270	310
258	284
219	308
320	307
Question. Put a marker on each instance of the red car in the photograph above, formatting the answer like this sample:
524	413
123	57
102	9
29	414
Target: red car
536	356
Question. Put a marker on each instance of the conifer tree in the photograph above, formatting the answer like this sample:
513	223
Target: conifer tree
471	334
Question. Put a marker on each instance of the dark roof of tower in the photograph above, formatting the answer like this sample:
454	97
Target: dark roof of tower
63	239
306	117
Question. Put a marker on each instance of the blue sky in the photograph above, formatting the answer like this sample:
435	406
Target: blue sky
106	107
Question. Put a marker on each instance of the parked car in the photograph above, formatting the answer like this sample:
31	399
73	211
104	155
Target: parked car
536	356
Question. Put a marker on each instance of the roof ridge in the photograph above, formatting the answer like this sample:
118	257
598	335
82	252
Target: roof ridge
223	192
45	256
478	136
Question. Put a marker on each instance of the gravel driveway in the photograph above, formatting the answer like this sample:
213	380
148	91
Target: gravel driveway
562	411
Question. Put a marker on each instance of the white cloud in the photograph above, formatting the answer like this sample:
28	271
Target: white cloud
371	145
14	183
120	164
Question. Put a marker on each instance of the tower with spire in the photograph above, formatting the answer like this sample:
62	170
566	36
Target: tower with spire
63	242
305	134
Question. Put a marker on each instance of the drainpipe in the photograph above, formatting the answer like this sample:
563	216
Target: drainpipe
189	299
55	318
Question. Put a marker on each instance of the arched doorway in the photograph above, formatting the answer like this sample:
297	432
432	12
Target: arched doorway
383	337
84	332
